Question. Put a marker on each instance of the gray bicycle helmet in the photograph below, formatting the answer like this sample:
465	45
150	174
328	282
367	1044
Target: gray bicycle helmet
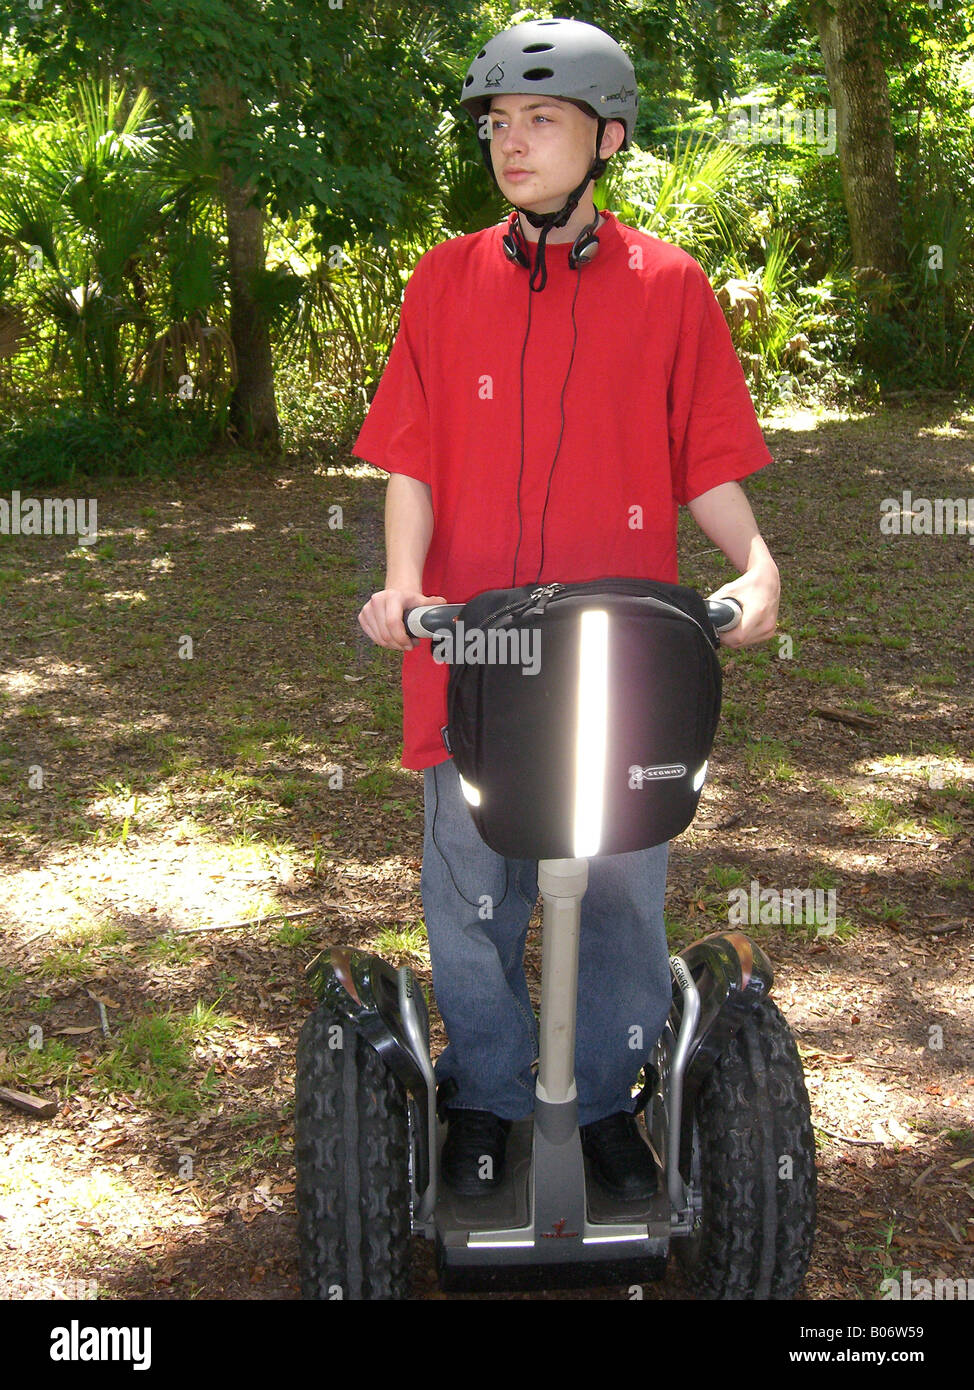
562	58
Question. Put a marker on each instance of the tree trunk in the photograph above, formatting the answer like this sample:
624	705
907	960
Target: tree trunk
253	411
860	94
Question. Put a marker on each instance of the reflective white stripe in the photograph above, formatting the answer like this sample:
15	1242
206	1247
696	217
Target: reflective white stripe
471	793
590	735
608	1240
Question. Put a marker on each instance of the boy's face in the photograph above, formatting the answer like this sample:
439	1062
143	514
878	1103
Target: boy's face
541	147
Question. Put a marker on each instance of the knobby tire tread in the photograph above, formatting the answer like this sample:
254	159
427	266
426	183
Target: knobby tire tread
757	1232
351	1156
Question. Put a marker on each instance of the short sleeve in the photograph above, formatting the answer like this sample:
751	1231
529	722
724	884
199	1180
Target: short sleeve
714	432
395	435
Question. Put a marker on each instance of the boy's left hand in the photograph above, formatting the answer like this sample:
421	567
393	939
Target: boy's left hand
757	591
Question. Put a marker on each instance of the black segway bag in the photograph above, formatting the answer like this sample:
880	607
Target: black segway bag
581	716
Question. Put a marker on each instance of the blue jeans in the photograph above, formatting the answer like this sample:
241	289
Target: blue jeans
478	905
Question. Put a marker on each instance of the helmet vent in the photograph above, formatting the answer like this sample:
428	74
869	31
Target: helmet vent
537	74
538	48
469	80
482	53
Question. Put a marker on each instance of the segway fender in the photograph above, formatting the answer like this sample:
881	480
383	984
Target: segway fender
733	975
365	989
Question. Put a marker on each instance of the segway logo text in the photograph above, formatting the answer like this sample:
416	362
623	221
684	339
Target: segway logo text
508	646
558	1231
655	773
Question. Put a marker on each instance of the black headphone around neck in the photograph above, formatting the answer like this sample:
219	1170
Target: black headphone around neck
584	248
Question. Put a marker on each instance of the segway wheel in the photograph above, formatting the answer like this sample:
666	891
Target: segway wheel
351	1156
753	1161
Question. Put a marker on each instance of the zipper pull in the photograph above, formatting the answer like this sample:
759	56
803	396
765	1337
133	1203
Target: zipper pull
540	598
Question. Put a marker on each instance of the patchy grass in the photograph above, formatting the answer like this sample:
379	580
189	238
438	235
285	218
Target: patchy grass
403	941
259	775
884	817
155	1059
28	1067
768	761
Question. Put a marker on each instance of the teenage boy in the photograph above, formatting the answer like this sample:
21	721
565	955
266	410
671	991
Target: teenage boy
558	386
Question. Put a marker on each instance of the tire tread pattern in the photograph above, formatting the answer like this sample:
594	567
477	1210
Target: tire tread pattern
757	1227
352	1191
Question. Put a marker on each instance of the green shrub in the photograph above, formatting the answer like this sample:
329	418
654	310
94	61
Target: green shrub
68	443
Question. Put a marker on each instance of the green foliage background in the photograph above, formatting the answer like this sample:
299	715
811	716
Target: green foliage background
118	116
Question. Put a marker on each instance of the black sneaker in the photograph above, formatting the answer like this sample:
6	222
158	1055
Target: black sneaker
472	1160
620	1157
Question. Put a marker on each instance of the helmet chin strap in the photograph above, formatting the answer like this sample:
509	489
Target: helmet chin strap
547	220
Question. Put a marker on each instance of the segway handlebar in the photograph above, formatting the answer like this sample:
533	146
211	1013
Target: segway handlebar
432	618
724	613
426	621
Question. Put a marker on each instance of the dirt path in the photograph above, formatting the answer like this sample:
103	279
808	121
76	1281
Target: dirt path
259	774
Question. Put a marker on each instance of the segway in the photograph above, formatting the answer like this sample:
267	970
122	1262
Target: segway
724	1104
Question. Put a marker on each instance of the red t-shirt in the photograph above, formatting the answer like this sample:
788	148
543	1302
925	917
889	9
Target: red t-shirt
656	412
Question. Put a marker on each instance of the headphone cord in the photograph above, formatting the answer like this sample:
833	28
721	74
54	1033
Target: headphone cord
520	518
436	811
561	432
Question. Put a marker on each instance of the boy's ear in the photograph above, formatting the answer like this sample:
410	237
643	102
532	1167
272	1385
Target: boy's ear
615	134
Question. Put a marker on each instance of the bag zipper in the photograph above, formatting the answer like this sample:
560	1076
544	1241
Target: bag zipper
523	605
539	599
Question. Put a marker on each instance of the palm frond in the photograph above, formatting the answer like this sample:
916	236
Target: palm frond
689	200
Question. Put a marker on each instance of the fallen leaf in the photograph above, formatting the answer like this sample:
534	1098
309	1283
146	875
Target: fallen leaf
103	999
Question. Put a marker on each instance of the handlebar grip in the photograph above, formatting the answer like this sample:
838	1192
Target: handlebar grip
429	618
426	620
725	613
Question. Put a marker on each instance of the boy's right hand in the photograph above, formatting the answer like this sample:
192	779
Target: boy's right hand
381	618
